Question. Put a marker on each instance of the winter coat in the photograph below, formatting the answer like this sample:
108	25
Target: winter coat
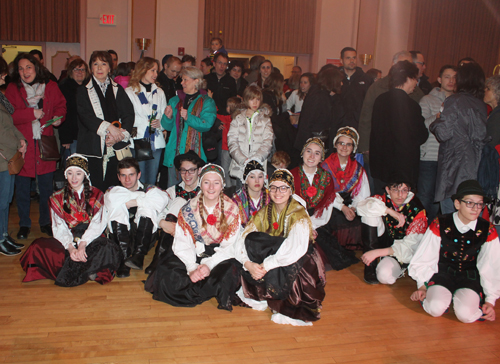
493	127
90	123
353	93
365	118
461	132
223	88
431	105
245	144
54	104
10	138
397	132
68	131
143	112
202	124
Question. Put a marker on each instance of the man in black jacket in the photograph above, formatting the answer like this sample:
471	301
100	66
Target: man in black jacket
167	77
354	88
220	83
423	80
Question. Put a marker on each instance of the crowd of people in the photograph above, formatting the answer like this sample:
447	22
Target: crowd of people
251	185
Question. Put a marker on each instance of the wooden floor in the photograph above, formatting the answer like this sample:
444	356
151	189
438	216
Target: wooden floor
120	323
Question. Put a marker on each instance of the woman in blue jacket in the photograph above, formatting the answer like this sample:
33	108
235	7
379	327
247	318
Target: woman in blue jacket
187	116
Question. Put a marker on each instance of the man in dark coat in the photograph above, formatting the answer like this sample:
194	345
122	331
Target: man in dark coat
220	83
398	129
354	87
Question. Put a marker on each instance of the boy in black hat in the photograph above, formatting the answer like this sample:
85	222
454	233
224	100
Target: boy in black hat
188	165
459	259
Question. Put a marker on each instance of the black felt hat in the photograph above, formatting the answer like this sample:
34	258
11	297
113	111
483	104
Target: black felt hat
190	156
470	187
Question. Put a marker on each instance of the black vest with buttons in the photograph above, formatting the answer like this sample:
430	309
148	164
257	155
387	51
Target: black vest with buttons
460	251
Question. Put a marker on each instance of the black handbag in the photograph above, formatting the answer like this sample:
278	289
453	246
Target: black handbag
143	151
49	151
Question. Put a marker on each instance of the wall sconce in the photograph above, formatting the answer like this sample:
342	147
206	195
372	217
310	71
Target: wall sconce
365	59
496	70
143	44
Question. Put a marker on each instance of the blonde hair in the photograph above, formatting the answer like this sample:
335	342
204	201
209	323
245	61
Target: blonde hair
141	68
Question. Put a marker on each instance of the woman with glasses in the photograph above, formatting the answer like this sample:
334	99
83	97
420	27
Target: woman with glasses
78	73
350	185
459	260
282	268
393	224
316	187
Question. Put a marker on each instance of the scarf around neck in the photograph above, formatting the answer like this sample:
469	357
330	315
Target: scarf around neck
6	103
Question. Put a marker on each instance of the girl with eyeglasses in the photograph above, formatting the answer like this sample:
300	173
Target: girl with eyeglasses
282	268
351	186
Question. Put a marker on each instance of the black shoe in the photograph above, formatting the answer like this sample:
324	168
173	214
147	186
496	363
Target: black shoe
123	271
12	242
370	274
23	233
47	229
7	249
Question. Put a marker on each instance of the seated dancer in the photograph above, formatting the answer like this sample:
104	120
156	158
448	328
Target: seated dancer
254	194
351	186
188	165
392	227
315	186
199	264
282	268
77	252
132	212
459	259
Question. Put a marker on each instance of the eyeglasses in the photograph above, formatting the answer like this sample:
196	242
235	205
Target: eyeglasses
221	63
78	69
471	205
403	191
343	144
188	171
420	63
282	189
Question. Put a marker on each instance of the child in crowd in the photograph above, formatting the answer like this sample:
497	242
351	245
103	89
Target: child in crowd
280	160
251	133
216	46
233	104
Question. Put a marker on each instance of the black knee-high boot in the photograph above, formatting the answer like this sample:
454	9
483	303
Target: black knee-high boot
143	240
163	242
370	242
121	236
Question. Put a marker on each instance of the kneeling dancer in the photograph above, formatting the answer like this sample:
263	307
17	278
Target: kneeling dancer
199	265
459	259
392	227
77	252
282	268
132	211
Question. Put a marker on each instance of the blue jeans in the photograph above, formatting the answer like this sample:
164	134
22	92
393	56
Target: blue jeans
65	153
23	198
426	188
149	169
6	193
173	177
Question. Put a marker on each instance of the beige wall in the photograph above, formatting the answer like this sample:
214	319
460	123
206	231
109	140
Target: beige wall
337	27
177	26
103	37
392	32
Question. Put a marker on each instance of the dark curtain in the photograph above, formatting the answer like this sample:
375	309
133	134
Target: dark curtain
447	30
40	20
284	26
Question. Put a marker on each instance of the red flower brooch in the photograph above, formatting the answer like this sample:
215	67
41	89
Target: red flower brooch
81	216
275	225
253	213
211	219
311	191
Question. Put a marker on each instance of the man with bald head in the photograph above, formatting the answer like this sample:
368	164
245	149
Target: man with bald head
375	90
168	76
